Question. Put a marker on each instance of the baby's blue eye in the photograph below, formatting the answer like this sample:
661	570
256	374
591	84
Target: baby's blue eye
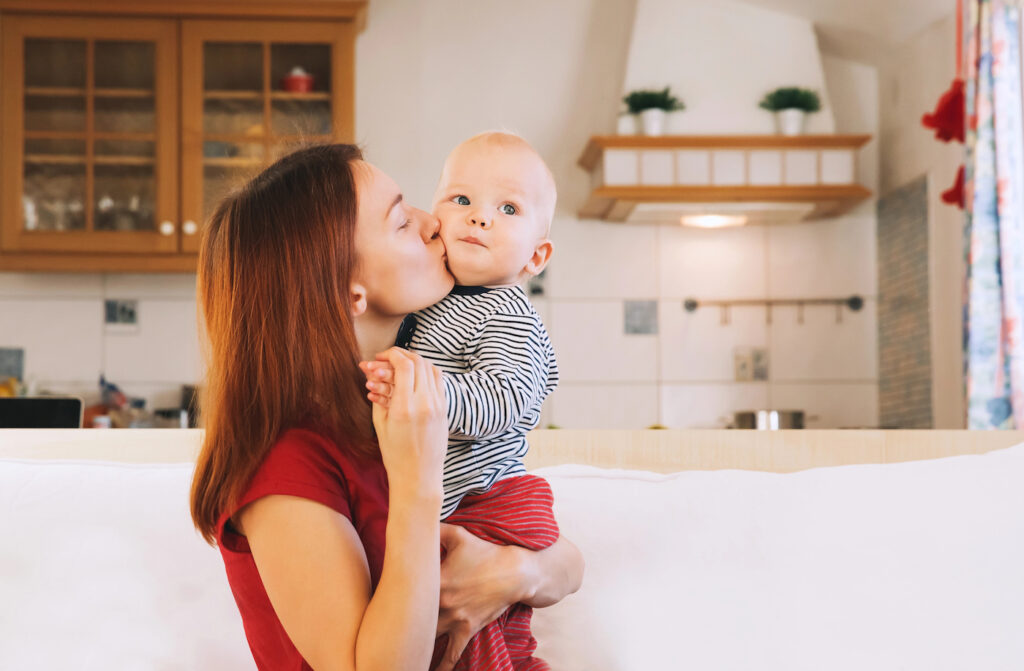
508	209
461	200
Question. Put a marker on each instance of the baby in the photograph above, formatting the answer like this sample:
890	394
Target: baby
495	201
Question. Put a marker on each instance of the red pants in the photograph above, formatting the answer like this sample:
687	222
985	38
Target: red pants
515	511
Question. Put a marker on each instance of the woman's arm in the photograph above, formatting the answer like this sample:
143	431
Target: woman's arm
312	562
479	580
314	569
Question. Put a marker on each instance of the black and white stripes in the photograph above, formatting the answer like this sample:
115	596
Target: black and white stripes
499	367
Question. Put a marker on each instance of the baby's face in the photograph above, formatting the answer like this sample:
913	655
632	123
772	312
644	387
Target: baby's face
493	205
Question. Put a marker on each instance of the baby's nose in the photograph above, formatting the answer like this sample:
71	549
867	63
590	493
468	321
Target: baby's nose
479	220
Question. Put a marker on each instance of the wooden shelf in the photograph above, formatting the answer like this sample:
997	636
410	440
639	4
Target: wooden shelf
312	95
232	162
599	143
77	159
82	135
70	92
770	176
259	95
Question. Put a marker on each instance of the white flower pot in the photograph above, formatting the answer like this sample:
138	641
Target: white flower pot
652	121
790	122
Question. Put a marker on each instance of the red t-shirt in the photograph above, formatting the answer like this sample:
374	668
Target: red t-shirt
304	464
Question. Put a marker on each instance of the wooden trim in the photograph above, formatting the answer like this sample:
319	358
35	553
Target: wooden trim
598	143
657	451
343	85
350	10
90	141
91	263
772	451
719	194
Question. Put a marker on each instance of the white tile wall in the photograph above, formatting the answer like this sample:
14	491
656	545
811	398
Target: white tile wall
62	338
824	258
697	347
709	406
712	263
604	406
821	348
598	259
166	347
591	346
845	405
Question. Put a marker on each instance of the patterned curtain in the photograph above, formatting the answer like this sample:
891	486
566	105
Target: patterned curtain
994	231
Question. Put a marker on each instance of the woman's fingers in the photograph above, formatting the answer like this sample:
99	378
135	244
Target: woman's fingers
405	370
457	642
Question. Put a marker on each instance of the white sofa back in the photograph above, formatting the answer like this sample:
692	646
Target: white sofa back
906	566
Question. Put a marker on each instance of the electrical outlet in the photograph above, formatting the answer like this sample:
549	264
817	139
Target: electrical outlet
743	364
12	363
121	316
641	317
759	363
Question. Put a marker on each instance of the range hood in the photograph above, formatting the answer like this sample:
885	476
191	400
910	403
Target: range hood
721	178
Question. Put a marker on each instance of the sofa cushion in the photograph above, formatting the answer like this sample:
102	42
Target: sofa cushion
903	566
100	568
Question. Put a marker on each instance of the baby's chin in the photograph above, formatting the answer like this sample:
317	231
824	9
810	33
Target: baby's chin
468	274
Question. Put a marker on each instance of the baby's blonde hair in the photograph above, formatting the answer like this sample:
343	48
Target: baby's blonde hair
504	138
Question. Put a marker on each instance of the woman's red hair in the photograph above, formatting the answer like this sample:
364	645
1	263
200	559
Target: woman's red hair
275	266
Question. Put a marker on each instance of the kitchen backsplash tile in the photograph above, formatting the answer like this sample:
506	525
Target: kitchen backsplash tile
711	264
698	347
62	338
604	406
591	345
821	348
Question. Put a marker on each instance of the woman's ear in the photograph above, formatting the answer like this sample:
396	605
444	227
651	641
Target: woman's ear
357	296
540	258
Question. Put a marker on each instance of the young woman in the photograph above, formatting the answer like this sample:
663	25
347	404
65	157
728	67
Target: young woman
325	512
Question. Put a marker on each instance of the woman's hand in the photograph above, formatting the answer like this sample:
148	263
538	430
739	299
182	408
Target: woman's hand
412	428
479	580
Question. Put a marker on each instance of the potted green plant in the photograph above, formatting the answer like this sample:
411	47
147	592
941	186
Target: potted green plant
791	105
651	105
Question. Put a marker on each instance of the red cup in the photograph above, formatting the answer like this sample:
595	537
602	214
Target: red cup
297	82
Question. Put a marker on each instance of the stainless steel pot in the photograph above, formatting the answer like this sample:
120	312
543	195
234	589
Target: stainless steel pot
769	420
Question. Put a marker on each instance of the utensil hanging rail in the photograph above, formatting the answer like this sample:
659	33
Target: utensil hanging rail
854	303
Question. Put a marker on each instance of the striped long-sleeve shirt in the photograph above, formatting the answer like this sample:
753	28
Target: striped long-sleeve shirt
498	366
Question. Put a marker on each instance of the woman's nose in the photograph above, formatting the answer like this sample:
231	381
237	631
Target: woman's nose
431	228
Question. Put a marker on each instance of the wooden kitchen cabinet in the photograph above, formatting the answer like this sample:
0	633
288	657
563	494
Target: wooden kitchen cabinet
120	133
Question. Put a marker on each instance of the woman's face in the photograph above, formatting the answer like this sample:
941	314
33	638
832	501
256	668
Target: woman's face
401	259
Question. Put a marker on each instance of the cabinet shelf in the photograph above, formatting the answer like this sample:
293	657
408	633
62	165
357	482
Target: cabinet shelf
74	92
73	159
232	162
258	95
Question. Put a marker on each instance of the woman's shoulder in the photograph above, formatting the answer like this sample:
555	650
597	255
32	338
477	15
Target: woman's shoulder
307	463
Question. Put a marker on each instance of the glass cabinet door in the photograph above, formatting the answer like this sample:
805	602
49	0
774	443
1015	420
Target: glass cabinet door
89	157
252	91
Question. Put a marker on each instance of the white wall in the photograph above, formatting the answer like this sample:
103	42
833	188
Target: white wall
431	74
722	57
912	78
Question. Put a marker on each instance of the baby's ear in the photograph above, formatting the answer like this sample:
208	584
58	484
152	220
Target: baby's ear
540	258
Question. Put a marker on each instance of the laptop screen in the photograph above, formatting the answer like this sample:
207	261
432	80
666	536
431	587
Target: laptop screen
44	412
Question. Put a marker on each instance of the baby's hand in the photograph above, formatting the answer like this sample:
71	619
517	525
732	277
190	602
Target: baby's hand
380	376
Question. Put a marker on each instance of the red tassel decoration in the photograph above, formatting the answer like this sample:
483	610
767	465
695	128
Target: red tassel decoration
954	195
948	118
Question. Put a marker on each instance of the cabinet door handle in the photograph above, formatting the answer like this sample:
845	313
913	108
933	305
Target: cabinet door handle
166	228
189	227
